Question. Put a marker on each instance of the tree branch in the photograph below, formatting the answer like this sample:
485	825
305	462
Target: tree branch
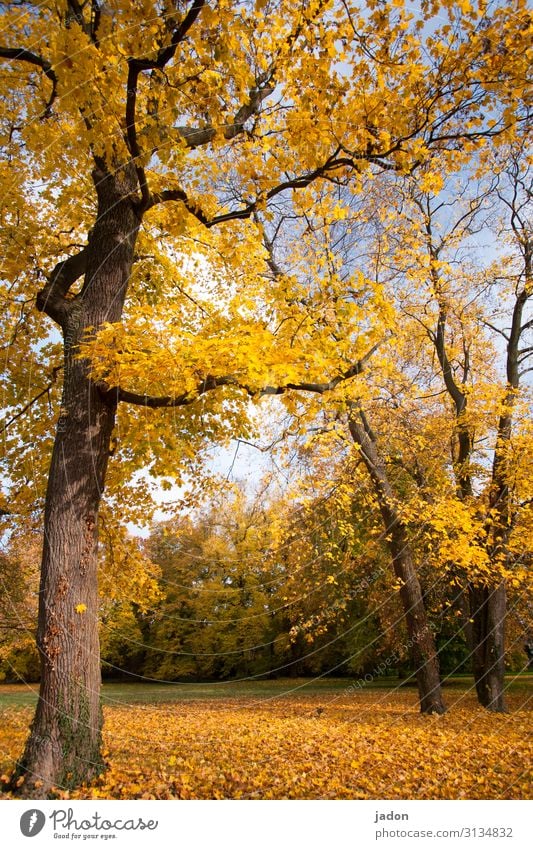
178	195
457	395
198	136
53	378
115	394
496	329
22	55
131	130
332	163
135	67
524	353
517	329
51	300
165	54
194	138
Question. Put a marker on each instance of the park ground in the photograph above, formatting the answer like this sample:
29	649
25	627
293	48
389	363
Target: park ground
292	739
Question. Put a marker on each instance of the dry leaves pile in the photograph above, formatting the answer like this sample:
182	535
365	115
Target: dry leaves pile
363	746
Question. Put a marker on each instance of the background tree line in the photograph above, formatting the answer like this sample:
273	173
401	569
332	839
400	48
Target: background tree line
250	589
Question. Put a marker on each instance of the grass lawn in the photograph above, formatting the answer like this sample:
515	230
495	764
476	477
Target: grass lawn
295	739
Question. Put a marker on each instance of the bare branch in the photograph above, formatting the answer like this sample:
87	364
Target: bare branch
496	329
524	353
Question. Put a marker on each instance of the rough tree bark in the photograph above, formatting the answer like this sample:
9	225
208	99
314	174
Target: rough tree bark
64	746
421	638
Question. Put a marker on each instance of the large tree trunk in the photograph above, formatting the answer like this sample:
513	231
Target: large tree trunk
64	747
488	611
421	645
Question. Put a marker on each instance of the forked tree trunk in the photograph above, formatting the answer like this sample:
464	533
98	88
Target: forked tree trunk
488	602
422	649
488	611
64	747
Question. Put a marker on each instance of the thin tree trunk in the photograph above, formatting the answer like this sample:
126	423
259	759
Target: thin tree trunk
422	647
488	610
421	638
64	747
488	601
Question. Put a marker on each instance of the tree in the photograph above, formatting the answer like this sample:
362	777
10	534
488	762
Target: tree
463	302
130	123
422	639
115	92
488	602
215	620
265	586
428	261
346	314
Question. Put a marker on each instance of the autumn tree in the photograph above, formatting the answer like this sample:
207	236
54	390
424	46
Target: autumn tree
113	93
345	320
474	313
503	508
127	125
216	619
426	266
342	612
